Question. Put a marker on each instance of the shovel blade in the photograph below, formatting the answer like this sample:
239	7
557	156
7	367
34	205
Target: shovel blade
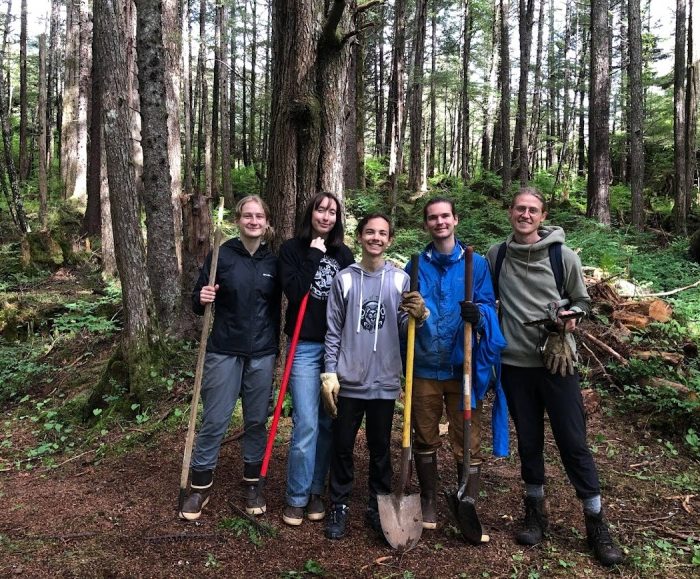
401	519
463	515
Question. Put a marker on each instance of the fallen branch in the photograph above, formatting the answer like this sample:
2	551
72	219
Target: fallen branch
674	291
602	367
603	346
183	537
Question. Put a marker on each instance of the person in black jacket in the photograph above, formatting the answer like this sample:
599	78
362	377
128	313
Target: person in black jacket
308	263
241	352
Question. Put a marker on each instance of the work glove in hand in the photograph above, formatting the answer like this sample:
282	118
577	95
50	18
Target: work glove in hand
470	312
413	304
329	392
558	355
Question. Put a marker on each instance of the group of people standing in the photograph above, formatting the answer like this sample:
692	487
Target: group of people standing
348	362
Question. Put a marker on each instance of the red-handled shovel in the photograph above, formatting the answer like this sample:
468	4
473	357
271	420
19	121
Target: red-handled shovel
280	397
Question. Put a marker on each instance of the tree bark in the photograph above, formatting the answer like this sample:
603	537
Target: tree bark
93	212
226	189
23	154
188	184
43	130
636	113
466	57
162	265
433	92
415	168
598	205
526	18
139	329
490	81
504	75
691	111
679	121
535	113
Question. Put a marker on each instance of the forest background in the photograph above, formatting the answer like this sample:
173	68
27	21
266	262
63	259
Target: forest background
123	122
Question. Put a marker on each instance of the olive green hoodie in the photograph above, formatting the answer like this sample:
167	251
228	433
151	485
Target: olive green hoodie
527	285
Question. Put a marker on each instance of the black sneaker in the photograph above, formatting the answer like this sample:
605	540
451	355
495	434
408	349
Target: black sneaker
293	516
336	526
254	500
194	503
372	520
600	541
536	522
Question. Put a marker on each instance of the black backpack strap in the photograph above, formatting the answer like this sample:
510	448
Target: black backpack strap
497	266
557	263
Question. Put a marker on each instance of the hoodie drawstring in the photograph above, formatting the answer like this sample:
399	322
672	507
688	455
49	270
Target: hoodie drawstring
379	307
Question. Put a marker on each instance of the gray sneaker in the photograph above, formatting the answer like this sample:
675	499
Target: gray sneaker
315	510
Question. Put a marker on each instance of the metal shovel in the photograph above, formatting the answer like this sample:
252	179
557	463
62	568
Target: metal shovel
461	505
399	514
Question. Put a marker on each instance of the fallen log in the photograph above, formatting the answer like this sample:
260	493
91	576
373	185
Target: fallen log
681	389
603	346
668	357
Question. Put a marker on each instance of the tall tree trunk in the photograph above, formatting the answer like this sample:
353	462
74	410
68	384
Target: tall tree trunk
380	145
54	57
552	86
23	154
226	189
415	169
535	113
624	94
71	88
244	90
139	329
93	213
581	147
188	184
466	54
216	105
679	121
490	81
43	130
691	111
253	63
504	74
232	85
163	270
636	113
526	18
433	94
395	102
598	205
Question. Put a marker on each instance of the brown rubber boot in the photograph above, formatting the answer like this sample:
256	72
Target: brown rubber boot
200	487
426	468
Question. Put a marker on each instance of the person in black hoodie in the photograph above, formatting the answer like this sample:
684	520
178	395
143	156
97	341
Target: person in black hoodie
241	352
308	263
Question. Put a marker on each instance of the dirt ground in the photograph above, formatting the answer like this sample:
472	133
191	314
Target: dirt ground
117	518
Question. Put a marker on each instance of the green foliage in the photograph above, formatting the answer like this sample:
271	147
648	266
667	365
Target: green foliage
253	531
84	315
21	367
244	182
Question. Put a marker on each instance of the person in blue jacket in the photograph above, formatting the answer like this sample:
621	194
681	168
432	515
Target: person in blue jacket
439	355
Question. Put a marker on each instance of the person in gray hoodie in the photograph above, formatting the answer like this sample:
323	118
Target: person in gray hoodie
526	284
362	377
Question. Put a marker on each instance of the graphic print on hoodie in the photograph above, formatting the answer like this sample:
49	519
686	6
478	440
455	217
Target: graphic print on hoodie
365	328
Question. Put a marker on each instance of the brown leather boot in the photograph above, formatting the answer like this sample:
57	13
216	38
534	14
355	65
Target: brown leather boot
426	468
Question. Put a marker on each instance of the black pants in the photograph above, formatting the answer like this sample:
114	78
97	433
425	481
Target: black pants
378	418
531	391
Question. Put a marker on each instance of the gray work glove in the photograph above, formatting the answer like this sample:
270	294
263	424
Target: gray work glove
412	303
558	354
329	392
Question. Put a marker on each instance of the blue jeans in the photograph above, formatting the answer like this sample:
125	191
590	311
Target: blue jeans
310	448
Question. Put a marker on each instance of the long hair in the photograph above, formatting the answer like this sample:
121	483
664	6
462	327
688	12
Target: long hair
269	234
305	231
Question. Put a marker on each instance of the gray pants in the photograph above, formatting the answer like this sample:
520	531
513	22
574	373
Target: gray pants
225	378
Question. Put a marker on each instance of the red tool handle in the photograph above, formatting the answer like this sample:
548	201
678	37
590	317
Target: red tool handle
283	385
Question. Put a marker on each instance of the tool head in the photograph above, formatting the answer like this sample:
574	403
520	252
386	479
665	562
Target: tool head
401	518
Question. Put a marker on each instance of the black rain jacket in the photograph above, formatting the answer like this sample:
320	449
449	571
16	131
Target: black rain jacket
247	305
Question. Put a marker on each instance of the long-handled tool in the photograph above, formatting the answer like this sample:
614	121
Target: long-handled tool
280	397
462	507
399	514
199	371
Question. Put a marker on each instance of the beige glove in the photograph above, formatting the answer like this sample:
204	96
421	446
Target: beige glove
329	392
413	304
558	354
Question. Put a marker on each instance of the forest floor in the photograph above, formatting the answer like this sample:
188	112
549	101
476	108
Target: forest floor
107	507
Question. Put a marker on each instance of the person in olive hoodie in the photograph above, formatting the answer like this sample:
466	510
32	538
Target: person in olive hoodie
526	283
308	263
241	352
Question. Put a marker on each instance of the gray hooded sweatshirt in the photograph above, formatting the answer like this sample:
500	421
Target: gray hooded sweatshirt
526	285
365	326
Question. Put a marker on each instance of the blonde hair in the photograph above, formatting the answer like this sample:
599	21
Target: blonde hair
269	234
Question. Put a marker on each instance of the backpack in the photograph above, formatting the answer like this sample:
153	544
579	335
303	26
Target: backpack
555	260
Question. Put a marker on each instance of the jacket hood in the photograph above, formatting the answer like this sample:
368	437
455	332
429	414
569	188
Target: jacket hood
434	256
549	234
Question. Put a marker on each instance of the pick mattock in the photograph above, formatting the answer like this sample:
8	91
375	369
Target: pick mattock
199	371
399	514
461	505
280	397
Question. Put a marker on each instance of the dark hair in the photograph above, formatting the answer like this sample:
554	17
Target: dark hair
377	214
530	191
305	230
435	200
